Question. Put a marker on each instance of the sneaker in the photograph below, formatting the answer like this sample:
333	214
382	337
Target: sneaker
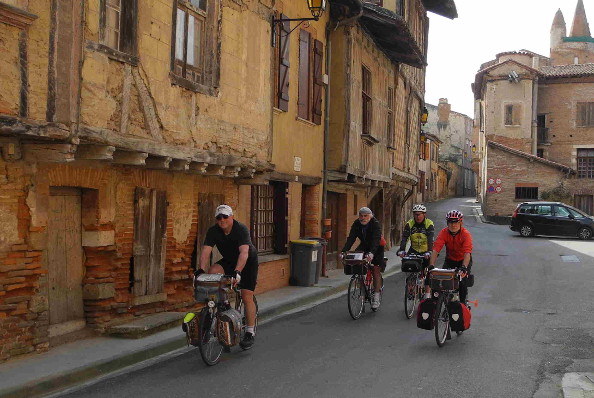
375	303
247	342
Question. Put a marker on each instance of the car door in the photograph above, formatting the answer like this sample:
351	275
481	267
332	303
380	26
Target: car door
563	223
542	219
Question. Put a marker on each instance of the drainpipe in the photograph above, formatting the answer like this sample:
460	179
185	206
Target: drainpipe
534	115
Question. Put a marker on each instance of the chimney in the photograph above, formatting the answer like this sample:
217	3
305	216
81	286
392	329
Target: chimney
443	111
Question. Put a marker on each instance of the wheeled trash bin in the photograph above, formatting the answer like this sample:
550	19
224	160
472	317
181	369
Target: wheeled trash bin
304	259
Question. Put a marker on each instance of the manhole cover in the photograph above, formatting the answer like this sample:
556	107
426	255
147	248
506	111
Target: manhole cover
570	259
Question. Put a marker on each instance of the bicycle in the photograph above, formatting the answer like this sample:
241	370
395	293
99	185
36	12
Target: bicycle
412	264
361	285
444	285
220	325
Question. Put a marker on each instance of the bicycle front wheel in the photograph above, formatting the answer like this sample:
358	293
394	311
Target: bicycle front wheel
356	296
411	295
442	320
210	348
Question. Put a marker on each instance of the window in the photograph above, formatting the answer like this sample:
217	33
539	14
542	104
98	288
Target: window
585	163
424	150
512	115
585	114
526	192
150	227
366	98
540	153
390	134
584	203
543	210
401	7
194	55
561	211
118	25
526	209
269	217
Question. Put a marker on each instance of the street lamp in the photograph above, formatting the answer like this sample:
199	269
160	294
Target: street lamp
424	115
473	148
316	7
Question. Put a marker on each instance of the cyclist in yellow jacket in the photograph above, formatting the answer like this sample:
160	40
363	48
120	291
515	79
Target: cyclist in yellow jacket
419	230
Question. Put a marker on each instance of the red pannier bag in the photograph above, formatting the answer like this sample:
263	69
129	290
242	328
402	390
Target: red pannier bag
426	314
460	316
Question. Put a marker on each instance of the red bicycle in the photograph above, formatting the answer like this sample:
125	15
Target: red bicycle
361	286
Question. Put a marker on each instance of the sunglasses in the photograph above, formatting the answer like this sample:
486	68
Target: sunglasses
453	221
418	214
222	216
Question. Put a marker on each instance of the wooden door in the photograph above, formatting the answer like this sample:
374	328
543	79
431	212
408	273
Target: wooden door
150	239
65	261
207	204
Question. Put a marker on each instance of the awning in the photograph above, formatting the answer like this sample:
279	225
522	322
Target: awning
445	8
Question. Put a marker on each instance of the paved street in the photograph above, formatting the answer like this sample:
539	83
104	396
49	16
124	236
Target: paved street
532	325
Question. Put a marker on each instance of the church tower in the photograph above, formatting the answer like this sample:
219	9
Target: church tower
578	47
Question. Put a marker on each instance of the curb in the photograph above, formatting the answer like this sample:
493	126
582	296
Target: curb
60	382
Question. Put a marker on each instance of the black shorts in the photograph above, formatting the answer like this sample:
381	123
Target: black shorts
249	275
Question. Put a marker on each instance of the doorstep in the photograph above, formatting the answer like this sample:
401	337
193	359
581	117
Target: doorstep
147	325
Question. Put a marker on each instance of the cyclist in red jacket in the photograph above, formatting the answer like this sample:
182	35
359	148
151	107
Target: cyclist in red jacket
458	243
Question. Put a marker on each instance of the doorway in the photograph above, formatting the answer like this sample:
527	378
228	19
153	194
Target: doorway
65	261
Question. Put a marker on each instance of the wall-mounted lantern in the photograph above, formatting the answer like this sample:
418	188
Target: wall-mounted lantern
424	115
423	137
316	7
473	148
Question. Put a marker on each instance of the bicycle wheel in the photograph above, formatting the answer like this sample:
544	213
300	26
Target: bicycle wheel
210	348
411	294
356	296
372	290
241	309
442	320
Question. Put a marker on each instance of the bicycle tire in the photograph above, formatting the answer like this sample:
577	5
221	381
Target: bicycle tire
411	295
373	292
208	344
356	296
241	309
442	320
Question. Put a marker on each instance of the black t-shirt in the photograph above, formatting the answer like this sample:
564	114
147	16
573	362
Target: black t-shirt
228	245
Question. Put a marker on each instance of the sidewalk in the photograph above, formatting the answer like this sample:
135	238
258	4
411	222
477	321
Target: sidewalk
81	361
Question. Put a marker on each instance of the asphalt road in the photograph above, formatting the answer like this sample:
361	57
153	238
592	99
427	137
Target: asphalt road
533	323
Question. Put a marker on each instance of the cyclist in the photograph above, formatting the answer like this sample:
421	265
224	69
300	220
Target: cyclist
458	243
419	230
240	258
369	231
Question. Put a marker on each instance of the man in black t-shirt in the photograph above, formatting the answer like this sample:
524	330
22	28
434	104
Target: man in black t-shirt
240	258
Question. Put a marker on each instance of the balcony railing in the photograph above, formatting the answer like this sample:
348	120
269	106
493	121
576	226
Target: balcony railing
542	135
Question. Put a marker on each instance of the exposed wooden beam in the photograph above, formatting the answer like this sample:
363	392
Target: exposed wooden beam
198	167
95	152
247	173
231	171
158	162
180	164
60	153
130	158
215	170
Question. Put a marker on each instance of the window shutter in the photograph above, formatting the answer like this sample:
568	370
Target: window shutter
141	250
283	70
281	206
158	242
508	117
516	115
582	109
318	82
128	27
303	95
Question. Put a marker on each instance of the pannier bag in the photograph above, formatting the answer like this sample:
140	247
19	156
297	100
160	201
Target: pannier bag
460	316
207	287
411	265
191	327
443	279
229	327
426	314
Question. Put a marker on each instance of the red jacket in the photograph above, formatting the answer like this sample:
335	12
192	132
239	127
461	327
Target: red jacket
456	245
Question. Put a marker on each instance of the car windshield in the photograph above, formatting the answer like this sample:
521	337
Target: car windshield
575	212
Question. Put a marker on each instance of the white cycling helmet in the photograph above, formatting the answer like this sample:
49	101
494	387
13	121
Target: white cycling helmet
419	207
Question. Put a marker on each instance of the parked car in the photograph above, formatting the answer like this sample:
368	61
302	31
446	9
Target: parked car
551	218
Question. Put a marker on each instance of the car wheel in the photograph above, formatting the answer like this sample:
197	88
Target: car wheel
526	230
584	233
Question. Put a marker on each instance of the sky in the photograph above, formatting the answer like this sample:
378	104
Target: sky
458	47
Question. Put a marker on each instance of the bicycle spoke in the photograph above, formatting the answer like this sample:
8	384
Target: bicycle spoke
356	296
410	295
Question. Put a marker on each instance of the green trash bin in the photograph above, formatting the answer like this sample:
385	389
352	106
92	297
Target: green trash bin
304	260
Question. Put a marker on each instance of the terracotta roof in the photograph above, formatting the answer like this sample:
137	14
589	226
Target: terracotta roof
531	157
567	70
